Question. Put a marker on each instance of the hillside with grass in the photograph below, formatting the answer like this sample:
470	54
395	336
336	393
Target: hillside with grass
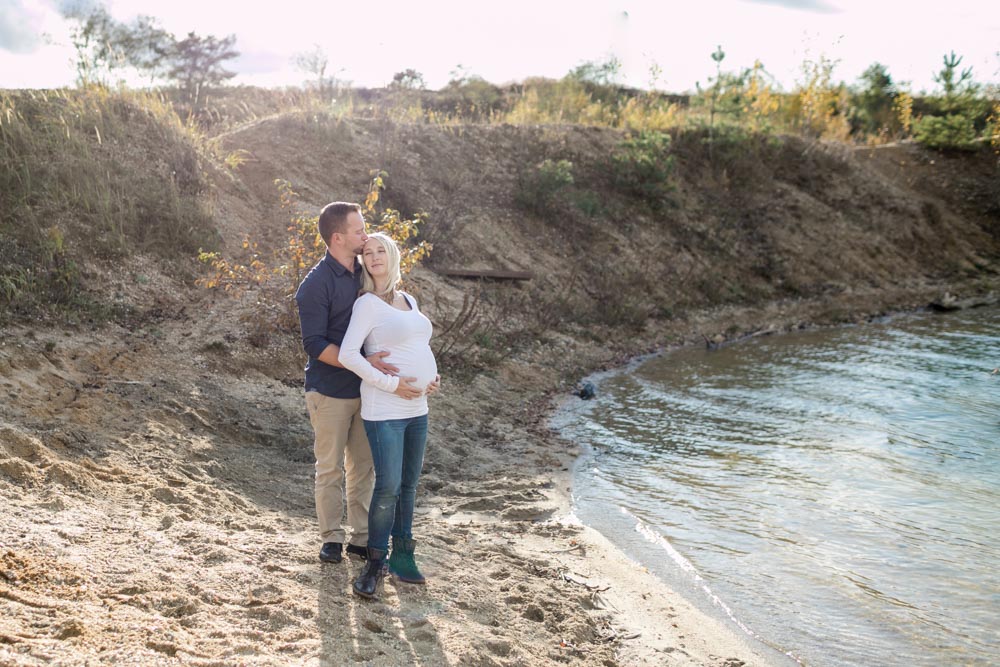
154	450
108	197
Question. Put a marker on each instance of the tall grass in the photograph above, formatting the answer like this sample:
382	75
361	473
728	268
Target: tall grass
91	173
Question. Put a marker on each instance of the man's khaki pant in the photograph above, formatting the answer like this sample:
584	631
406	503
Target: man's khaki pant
341	446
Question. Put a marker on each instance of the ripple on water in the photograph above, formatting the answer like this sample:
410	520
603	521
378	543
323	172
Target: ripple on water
836	490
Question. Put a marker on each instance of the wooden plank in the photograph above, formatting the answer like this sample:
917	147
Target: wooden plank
492	274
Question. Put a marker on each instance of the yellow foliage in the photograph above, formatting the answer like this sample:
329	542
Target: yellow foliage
762	102
391	222
821	105
237	159
554	102
274	279
994	128
646	114
902	108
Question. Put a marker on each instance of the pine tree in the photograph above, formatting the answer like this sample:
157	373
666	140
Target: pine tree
196	64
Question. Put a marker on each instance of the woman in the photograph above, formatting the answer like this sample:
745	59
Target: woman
393	409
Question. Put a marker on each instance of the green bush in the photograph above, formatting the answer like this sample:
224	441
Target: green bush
589	203
540	185
642	166
953	131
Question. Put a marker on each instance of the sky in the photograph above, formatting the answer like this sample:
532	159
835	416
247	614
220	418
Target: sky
510	40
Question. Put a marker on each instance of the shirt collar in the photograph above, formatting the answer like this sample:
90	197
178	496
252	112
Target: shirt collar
338	269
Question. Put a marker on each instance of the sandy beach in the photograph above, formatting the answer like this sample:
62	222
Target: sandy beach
159	511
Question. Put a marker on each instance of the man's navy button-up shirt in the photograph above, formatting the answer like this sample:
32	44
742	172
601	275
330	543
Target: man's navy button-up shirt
325	299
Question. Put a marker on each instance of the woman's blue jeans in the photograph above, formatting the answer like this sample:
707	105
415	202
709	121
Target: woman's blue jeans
398	453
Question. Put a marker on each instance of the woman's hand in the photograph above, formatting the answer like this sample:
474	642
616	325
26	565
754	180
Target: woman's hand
407	390
434	386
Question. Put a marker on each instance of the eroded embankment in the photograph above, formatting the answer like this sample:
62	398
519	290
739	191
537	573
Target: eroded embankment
157	472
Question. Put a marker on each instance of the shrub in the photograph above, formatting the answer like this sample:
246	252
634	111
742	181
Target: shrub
819	107
274	276
648	113
642	166
954	131
993	129
540	185
589	203
566	101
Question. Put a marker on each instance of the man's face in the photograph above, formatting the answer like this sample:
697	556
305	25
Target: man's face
353	236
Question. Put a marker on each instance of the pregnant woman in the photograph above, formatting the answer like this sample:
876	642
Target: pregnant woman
393	409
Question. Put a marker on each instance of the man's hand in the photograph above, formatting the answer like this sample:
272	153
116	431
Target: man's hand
407	390
376	361
434	386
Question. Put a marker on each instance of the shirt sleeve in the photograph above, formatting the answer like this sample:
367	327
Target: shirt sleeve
362	322
314	315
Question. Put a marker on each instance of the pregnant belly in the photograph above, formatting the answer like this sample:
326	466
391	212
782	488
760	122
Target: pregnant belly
423	368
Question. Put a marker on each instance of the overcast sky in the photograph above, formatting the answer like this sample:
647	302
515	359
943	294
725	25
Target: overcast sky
367	42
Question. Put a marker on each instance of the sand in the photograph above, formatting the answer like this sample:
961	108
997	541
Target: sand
159	510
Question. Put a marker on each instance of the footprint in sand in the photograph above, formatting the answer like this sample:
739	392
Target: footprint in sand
372	626
534	613
499	647
168	496
491	503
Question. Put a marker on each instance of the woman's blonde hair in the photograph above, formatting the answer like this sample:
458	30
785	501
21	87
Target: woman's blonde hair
392	255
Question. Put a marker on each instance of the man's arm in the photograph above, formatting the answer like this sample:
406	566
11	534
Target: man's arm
314	313
330	355
362	321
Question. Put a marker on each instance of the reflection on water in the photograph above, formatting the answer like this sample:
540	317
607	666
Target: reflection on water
839	490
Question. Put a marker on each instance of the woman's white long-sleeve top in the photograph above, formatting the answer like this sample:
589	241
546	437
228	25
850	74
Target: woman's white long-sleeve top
406	335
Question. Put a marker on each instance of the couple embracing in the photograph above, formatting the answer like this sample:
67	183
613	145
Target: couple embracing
369	413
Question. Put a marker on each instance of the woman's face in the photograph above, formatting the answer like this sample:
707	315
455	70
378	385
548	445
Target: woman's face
376	258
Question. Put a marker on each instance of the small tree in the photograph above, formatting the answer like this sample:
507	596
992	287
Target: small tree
602	73
718	56
94	39
993	129
761	100
820	106
315	61
105	46
957	85
409	79
902	108
196	64
273	277
954	131
725	96
146	46
874	101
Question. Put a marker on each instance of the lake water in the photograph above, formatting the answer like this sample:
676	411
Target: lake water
835	494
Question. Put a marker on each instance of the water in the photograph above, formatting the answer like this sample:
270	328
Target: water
836	493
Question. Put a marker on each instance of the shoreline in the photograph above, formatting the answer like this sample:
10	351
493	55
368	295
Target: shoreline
719	628
726	622
160	511
690	633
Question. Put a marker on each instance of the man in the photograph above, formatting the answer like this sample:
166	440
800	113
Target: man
333	397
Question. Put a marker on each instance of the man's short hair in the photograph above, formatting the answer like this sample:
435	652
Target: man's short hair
333	217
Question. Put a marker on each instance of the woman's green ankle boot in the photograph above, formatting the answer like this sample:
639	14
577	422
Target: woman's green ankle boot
402	564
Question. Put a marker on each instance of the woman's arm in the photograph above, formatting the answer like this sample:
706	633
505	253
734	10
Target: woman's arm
362	323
